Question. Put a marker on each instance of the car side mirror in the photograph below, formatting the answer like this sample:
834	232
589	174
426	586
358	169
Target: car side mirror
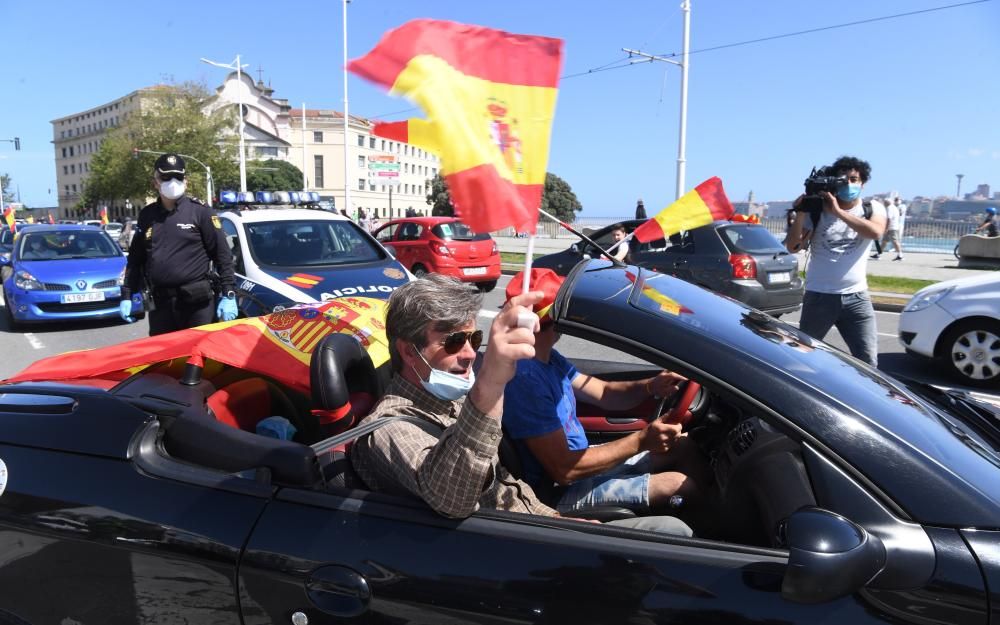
4	260
829	556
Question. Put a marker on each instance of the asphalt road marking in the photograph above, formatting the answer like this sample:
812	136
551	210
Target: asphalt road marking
34	340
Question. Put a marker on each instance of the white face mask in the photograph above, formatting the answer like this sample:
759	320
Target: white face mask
443	385
172	189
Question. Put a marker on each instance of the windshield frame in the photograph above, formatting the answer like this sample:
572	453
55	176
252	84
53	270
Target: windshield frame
22	241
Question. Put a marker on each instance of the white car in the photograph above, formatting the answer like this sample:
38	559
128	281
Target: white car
957	322
303	255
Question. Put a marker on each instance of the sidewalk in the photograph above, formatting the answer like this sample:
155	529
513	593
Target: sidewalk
922	266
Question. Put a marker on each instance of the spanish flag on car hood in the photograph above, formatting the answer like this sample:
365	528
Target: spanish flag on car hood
705	204
278	345
489	97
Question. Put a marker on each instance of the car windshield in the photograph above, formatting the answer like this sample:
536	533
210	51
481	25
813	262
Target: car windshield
457	231
67	244
750	240
309	243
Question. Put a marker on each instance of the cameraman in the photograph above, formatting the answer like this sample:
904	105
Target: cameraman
836	276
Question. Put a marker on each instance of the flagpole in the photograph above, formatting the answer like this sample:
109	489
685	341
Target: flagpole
582	236
528	258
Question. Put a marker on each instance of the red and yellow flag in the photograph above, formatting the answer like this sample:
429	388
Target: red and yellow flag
489	97
52	219
278	345
8	216
104	215
705	204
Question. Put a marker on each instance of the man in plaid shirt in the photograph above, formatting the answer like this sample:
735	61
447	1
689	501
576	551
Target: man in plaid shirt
452	463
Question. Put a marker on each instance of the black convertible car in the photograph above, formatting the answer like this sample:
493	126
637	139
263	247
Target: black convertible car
844	496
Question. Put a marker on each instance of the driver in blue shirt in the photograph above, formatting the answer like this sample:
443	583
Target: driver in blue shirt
651	470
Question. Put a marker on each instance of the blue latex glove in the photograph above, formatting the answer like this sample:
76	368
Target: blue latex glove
125	310
227	309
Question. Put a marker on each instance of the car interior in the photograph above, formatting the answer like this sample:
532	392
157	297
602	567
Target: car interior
210	420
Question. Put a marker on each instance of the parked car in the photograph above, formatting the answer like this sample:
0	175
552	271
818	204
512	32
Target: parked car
61	272
113	228
443	245
289	255
957	323
741	260
847	496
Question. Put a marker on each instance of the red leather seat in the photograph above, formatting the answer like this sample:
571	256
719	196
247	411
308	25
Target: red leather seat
242	404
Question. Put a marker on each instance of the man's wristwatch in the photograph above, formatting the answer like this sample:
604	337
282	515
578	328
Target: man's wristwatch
230	294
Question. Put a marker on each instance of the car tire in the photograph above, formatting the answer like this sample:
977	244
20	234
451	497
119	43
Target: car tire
970	350
13	325
486	287
419	271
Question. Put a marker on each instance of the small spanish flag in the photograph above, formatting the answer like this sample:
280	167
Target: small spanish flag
303	280
104	215
489	97
705	204
8	216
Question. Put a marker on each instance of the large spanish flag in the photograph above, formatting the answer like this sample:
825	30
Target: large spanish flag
705	204
278	345
489	97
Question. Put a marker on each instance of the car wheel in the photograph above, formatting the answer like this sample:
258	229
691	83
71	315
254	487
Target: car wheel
486	287
419	271
971	350
12	324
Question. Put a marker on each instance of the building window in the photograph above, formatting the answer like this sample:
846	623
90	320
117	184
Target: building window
371	186
361	162
371	142
64	152
361	184
318	171
383	145
74	188
406	150
317	137
67	189
361	140
71	150
72	169
65	170
263	150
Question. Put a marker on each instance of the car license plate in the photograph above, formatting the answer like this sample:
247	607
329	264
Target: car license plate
78	298
474	271
779	277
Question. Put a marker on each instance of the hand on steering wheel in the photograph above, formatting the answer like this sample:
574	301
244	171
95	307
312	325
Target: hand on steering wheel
676	405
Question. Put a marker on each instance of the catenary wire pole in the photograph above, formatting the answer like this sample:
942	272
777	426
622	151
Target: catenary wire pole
684	64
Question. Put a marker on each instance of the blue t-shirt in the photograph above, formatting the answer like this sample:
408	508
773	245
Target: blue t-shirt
539	400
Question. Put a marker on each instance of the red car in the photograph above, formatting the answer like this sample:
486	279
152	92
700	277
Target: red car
442	245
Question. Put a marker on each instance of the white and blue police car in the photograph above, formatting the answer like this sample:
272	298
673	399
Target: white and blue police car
286	249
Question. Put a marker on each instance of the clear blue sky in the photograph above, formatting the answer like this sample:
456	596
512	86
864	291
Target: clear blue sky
916	96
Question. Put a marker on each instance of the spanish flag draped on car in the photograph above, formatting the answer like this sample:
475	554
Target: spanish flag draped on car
278	345
489	97
705	204
8	217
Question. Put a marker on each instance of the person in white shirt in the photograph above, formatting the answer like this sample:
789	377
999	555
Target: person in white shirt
619	234
836	276
891	231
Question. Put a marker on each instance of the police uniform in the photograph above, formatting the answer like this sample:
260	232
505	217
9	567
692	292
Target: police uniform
171	254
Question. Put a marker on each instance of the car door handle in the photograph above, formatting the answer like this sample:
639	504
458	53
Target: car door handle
339	590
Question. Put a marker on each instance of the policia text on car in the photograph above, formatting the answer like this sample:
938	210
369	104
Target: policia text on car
176	239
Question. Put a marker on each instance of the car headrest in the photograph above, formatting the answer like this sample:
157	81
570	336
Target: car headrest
340	367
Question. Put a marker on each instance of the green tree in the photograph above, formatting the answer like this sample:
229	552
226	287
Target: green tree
440	198
172	118
269	175
559	199
8	189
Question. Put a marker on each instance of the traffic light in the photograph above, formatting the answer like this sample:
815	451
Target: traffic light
17	143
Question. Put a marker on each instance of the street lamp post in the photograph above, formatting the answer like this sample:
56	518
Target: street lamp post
958	191
239	102
209	185
17	147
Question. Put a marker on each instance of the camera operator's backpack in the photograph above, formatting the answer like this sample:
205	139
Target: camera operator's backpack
866	206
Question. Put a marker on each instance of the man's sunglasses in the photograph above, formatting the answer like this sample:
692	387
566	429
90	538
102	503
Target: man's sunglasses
454	342
171	176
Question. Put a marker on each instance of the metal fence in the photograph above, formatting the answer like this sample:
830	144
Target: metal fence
919	235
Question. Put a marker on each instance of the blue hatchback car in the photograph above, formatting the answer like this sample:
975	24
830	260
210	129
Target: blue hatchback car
60	273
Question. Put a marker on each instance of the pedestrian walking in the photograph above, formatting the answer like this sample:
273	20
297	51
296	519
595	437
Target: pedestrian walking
177	240
363	220
891	235
836	275
640	210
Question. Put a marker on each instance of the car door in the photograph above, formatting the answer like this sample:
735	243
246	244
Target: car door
333	556
386	236
412	250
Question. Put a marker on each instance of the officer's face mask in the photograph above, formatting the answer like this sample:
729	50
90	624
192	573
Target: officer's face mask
172	189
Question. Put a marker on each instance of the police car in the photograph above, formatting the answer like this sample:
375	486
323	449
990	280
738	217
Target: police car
286	249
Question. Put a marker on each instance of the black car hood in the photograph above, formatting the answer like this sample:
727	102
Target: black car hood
901	442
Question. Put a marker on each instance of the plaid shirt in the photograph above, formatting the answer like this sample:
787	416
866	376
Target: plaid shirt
453	467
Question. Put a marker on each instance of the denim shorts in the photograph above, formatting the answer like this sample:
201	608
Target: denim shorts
626	485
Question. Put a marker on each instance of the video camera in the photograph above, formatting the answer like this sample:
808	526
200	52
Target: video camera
819	180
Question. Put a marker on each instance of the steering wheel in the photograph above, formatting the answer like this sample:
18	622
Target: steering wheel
676	405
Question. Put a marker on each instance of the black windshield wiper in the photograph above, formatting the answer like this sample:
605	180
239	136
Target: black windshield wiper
977	416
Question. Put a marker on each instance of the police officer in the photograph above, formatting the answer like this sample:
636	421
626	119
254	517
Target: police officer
175	239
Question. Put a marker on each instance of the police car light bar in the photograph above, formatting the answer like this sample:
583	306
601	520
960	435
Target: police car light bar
263	197
295	198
